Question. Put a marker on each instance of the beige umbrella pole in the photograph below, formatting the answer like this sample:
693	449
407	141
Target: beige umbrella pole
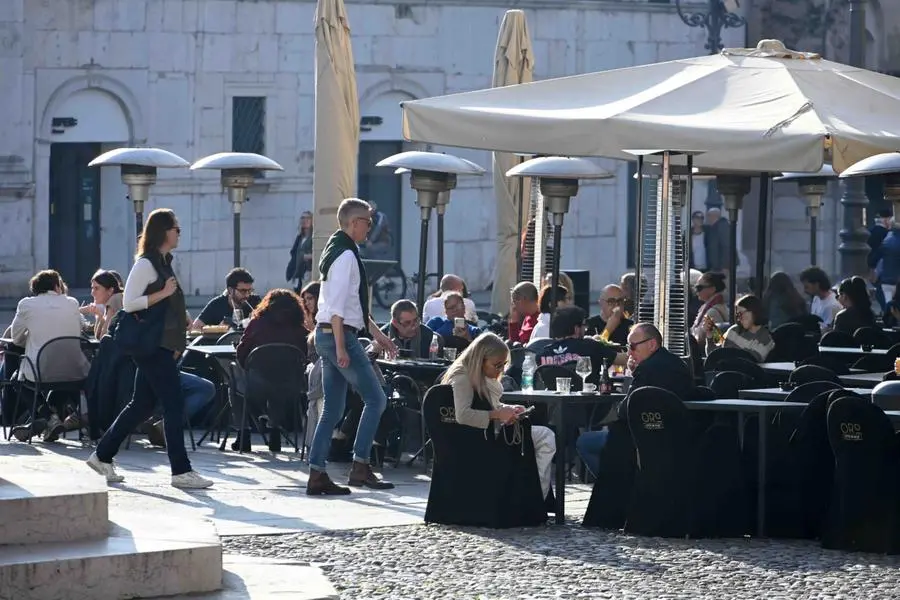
513	64
337	120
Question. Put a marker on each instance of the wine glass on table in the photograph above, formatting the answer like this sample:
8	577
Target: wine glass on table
584	369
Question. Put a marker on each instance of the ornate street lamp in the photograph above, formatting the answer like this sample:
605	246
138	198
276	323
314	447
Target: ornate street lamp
239	172
431	173
558	177
813	186
139	167
716	18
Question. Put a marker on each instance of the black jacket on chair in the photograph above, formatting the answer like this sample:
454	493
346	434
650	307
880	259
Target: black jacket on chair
479	479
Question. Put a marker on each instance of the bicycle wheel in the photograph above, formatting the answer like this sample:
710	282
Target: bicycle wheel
390	287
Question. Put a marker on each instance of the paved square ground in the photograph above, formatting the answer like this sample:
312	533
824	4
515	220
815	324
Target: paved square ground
375	545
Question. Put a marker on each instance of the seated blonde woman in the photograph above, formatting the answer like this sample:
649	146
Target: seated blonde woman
475	379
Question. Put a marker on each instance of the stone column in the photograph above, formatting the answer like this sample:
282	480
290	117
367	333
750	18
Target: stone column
854	235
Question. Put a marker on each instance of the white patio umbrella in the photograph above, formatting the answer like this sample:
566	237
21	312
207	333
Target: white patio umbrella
513	64
337	120
763	109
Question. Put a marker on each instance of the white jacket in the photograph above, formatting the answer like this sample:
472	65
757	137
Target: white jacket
40	319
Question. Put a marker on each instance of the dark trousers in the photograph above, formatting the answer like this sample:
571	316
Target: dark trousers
156	378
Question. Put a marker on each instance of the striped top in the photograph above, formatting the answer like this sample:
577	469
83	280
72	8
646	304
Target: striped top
759	344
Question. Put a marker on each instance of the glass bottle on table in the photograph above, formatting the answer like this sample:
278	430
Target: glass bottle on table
583	367
606	386
714	332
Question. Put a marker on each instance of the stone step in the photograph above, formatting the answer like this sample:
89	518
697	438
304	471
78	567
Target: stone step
36	508
145	555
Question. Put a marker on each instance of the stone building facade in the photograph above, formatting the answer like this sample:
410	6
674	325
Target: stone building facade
83	76
202	76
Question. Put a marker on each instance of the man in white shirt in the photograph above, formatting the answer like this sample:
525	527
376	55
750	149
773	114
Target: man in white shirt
825	304
434	307
342	314
47	314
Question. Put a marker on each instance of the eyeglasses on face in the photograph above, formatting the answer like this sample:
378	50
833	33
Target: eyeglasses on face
700	287
246	290
367	220
177	229
407	322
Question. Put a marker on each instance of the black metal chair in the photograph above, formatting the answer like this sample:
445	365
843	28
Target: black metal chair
720	354
232	337
808	373
870	336
838	339
55	371
728	384
792	343
273	371
864	514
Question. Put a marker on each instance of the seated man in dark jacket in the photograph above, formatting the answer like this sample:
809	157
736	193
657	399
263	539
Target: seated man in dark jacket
652	365
413	339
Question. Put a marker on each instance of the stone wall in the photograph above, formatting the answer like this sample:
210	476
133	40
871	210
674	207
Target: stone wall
173	65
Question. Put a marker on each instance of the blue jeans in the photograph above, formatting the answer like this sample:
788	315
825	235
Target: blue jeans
589	445
196	391
157	378
361	375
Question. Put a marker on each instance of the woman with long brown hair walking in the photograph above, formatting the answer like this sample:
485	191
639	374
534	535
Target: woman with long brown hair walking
152	291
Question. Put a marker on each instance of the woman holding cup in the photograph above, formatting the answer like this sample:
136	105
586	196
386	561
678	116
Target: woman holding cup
106	291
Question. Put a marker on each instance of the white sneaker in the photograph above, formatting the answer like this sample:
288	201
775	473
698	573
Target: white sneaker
105	469
192	480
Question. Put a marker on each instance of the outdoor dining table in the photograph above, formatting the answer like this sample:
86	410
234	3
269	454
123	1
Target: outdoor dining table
222	357
854	350
780	394
862	380
762	408
561	402
786	368
426	371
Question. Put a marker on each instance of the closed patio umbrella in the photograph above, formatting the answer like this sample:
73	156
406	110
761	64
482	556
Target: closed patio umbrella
337	120
513	64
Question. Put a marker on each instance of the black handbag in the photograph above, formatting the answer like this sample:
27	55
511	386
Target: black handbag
139	334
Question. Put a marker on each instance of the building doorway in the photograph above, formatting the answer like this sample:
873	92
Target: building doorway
74	211
381	186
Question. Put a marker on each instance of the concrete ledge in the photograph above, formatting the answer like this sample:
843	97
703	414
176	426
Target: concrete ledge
145	555
35	508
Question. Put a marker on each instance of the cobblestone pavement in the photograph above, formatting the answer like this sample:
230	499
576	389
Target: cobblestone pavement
436	562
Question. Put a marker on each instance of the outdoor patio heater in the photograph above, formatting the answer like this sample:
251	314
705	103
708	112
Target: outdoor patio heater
240	170
139	167
558	179
431	173
813	186
887	166
662	256
442	202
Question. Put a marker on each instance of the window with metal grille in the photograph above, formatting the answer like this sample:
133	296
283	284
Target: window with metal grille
248	124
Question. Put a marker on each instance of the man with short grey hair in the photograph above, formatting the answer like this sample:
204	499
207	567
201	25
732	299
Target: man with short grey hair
407	331
343	313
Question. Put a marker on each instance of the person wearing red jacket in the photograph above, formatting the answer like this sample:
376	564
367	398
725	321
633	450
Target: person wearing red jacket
524	312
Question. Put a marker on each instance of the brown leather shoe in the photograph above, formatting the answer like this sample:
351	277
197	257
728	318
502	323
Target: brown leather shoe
320	484
362	475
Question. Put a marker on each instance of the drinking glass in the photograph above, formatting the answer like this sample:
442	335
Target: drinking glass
583	368
564	385
450	354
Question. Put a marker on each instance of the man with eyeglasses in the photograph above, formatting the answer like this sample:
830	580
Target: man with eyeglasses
611	323
238	294
651	365
412	338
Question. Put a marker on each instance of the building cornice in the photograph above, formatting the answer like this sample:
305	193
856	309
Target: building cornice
603	5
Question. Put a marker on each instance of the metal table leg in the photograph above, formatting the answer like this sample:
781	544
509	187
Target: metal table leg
561	462
761	475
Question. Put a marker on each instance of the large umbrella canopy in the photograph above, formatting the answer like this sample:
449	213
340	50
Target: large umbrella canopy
337	120
513	64
762	109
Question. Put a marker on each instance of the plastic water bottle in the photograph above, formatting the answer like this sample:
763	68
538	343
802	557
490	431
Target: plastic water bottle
528	369
434	348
